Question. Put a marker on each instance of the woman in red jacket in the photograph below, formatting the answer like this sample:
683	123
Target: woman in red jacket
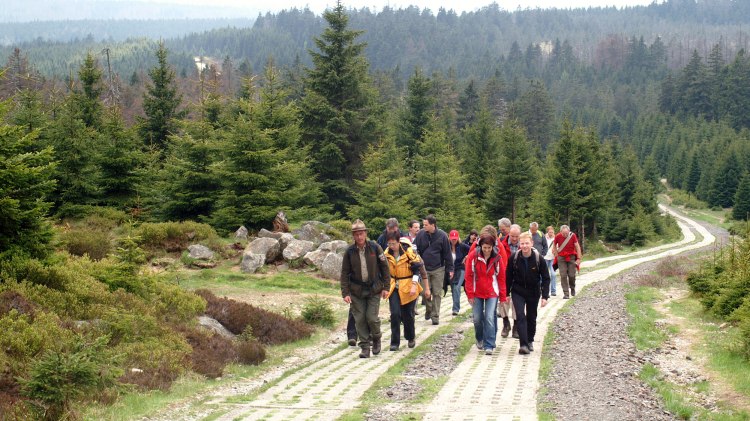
485	284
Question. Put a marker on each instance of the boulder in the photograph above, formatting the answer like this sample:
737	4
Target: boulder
268	247
241	233
336	246
331	266
214	326
251	262
296	249
200	252
315	258
284	240
313	231
264	233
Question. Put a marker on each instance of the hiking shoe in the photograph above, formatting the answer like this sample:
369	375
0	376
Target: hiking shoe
515	332
412	343
435	321
554	294
375	346
455	313
352	342
480	344
394	347
506	330
531	346
573	292
365	353
565	297
488	351
523	350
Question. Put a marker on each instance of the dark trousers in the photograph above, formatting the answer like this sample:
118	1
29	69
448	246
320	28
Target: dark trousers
351	328
401	313
525	303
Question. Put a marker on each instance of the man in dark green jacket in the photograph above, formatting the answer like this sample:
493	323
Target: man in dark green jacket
364	276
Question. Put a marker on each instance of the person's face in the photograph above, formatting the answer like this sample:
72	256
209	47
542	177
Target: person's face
504	229
565	231
472	238
533	229
486	249
359	238
394	229
525	246
414	228
428	227
551	232
454	241
393	245
514	236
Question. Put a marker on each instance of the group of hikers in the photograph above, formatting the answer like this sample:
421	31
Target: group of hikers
505	275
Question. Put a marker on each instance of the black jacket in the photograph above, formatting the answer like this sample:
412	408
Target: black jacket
531	278
379	276
435	250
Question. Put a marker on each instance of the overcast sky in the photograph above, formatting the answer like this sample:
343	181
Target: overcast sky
459	6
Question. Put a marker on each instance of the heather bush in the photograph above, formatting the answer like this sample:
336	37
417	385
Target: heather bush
155	362
211	352
250	351
671	267
12	300
318	311
95	243
268	327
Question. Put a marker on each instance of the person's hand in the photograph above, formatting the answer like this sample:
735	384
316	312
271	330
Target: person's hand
544	302
450	275
384	294
348	299
413	290
471	301
427	295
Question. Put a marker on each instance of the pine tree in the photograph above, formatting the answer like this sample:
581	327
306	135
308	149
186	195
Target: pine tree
440	188
741	209
386	189
479	149
535	112
726	181
161	103
28	112
495	96
561	182
340	116
26	172
87	99
693	174
120	159
416	113
468	106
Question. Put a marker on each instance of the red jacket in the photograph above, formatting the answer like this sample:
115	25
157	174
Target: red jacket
485	279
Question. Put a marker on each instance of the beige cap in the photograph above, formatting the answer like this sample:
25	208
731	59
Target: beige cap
358	225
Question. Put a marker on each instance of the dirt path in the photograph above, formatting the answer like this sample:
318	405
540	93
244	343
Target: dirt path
501	386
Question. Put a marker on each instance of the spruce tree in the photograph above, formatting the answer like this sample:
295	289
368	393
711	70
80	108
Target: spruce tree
26	172
741	209
479	149
340	116
121	156
726	180
535	112
386	189
87	98
440	188
161	103
416	113
561	182
468	106
515	174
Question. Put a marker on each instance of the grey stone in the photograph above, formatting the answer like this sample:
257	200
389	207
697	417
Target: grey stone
251	262
200	252
296	249
241	233
331	266
315	258
214	326
285	239
313	231
264	233
337	246
268	247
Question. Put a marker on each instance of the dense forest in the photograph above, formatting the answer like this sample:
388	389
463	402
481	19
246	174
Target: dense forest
335	121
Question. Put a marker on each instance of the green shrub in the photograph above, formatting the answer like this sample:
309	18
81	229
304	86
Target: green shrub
250	351
58	378
23	338
155	362
268	327
175	236
341	230
318	311
683	198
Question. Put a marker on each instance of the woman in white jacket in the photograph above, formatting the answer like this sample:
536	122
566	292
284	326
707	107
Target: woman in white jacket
549	258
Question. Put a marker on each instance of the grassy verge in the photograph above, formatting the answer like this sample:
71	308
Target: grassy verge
224	281
643	329
544	409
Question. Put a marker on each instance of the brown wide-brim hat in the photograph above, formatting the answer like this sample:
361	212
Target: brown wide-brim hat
358	225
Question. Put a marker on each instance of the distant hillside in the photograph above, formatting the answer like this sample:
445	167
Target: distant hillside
46	10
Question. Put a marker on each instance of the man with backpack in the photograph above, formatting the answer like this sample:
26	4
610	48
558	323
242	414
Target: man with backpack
528	280
364	279
435	251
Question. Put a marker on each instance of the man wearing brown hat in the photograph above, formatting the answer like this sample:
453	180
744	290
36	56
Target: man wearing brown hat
364	276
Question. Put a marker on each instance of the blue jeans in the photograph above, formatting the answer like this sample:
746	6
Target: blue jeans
485	321
458	276
552	277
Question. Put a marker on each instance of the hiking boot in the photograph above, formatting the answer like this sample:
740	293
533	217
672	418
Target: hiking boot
435	321
365	353
412	343
488	351
352	342
524	350
394	347
480	344
376	346
506	328
554	294
565	297
515	332
573	292
531	346
455	313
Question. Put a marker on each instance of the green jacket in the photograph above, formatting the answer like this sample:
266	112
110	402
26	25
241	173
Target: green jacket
351	271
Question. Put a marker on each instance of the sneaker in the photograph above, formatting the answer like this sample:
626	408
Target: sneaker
416	313
488	351
554	294
531	346
365	353
412	343
480	345
523	350
455	313
352	342
435	322
394	347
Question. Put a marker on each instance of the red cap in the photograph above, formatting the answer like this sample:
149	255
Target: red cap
453	235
